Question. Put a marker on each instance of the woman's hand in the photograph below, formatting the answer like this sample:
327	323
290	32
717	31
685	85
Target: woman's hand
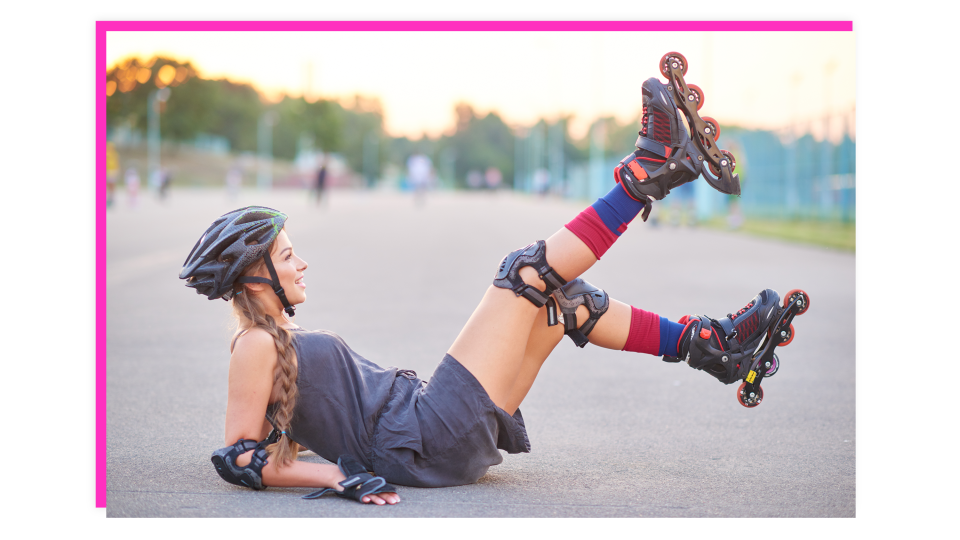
378	499
382	498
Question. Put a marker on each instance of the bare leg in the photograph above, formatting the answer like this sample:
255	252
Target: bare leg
493	343
610	333
541	342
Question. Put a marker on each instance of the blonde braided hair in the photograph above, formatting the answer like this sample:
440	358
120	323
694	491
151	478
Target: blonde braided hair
250	312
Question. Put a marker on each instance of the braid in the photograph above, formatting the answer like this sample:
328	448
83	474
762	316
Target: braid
250	313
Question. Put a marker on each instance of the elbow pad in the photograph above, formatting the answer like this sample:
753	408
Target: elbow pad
225	461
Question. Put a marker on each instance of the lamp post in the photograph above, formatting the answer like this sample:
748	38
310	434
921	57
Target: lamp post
371	159
265	149
153	134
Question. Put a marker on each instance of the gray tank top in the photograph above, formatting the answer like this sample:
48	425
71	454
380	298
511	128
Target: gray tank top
340	397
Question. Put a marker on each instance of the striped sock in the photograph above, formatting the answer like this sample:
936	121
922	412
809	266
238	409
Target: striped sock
652	334
604	221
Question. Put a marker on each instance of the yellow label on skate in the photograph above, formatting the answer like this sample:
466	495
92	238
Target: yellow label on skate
751	376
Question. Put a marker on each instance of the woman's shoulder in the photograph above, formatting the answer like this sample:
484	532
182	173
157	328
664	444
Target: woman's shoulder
318	335
254	342
253	337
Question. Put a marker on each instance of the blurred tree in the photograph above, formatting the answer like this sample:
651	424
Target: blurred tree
478	143
130	82
363	119
220	107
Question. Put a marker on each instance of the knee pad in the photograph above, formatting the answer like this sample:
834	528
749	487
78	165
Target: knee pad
250	475
534	255
572	295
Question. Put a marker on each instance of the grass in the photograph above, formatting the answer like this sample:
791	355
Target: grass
832	234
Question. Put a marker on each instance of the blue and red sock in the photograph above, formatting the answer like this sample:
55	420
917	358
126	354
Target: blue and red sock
598	227
652	334
604	221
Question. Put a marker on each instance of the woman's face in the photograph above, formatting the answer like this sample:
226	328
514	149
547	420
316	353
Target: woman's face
289	269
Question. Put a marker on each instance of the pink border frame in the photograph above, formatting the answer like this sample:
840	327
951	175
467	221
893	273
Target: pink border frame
334	26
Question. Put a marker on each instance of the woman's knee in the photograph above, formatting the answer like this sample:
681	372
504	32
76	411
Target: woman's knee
532	278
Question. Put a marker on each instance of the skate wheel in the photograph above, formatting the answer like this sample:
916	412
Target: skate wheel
696	93
714	126
787	338
674	56
733	160
733	164
806	300
774	366
747	401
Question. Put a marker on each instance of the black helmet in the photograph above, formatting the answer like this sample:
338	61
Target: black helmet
233	242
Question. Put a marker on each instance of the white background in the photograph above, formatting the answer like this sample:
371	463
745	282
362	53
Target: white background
906	469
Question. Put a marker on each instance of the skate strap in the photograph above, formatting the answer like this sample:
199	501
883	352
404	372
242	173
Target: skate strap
579	334
729	330
579	339
730	333
552	319
649	145
531	293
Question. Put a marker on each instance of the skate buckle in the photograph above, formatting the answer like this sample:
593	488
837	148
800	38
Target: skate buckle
705	333
637	171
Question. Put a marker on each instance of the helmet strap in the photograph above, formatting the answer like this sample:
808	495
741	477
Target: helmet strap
274	283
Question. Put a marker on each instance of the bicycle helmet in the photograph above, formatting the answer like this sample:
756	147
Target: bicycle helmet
233	242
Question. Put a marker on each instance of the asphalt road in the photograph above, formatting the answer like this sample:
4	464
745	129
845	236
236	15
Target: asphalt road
614	434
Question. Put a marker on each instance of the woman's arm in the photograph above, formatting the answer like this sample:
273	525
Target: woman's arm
314	475
250	387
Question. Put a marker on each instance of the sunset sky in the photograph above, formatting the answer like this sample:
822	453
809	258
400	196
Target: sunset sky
756	79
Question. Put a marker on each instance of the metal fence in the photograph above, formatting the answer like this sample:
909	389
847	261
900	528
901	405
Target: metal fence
782	175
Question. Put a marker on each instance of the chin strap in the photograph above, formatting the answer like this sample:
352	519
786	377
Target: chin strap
274	282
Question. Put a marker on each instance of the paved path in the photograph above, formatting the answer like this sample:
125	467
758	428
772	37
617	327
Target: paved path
614	434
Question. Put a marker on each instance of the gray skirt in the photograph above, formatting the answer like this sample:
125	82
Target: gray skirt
445	432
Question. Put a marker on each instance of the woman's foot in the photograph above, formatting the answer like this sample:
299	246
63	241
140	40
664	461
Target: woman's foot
724	347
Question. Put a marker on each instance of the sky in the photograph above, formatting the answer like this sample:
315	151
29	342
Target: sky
768	80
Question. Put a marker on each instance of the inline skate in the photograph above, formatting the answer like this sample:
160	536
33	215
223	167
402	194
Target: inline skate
667	156
739	347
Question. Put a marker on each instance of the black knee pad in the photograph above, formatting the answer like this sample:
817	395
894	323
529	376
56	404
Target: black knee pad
225	461
535	255
572	295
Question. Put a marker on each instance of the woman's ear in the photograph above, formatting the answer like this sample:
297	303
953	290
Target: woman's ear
254	288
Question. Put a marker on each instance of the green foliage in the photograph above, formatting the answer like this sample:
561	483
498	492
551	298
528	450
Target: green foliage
832	234
477	144
227	109
234	111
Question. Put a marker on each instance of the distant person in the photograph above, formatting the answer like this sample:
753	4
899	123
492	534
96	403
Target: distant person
132	181
234	181
166	177
493	178
474	179
735	217
419	170
113	173
541	182
321	183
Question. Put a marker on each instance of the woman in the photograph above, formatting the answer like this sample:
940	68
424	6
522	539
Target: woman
290	387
